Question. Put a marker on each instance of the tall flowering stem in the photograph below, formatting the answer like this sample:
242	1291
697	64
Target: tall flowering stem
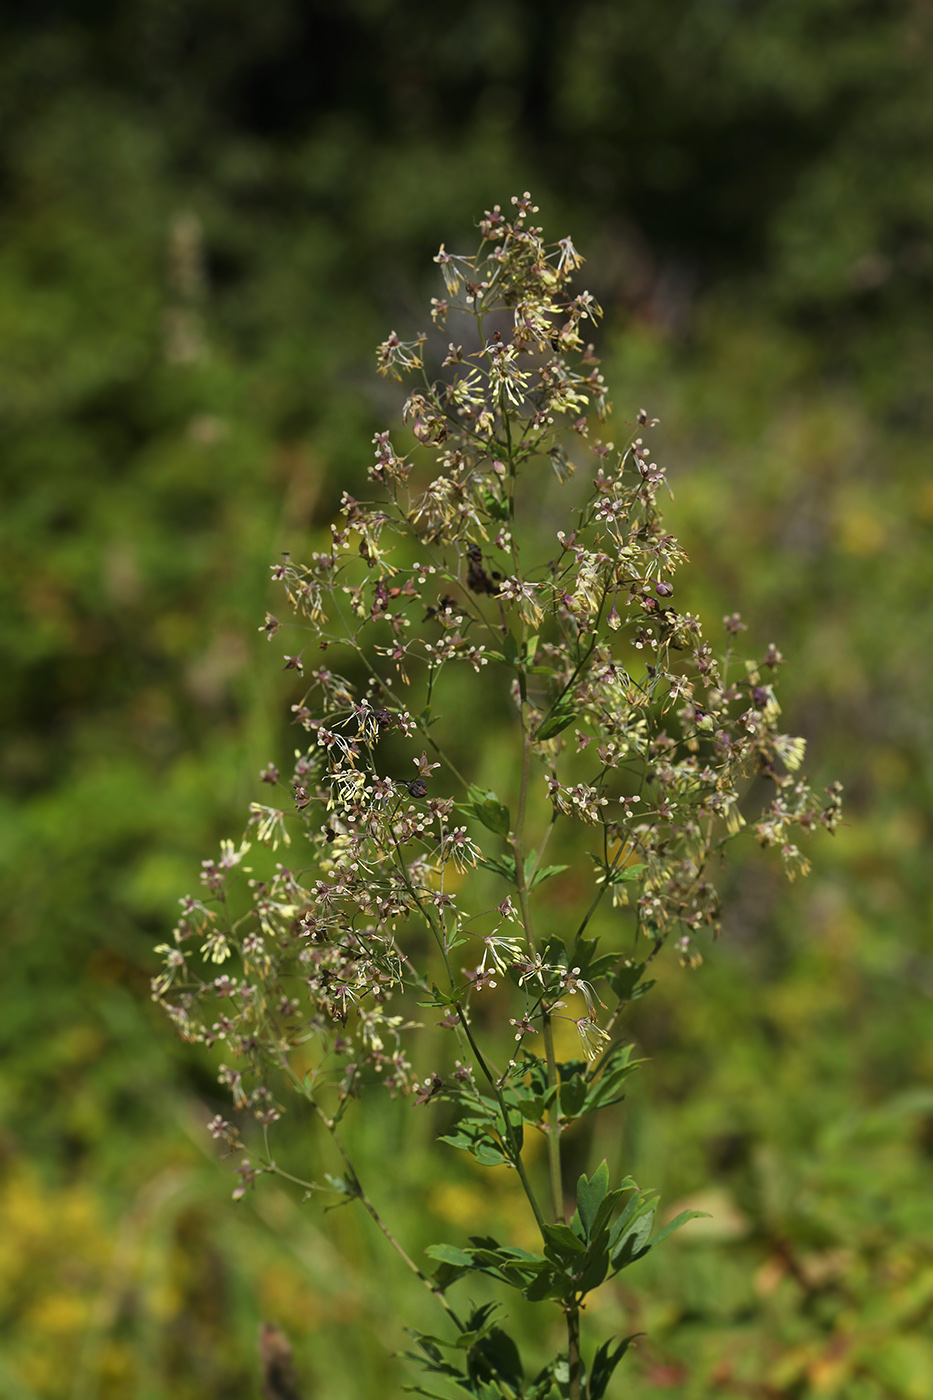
632	736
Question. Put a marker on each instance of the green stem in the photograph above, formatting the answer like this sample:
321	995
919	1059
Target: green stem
598	897
543	847
387	686
512	1147
359	1192
554	1126
572	1312
584	659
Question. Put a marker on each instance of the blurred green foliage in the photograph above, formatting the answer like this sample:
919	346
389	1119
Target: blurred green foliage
211	213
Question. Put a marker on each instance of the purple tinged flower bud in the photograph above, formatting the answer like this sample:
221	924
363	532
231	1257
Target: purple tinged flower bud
663	588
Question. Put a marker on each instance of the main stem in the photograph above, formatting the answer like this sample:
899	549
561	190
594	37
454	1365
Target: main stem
512	1146
572	1313
572	1308
553	1134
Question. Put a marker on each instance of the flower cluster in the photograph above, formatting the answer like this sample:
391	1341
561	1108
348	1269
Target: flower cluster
631	732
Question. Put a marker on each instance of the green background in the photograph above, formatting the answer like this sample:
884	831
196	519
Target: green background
211	212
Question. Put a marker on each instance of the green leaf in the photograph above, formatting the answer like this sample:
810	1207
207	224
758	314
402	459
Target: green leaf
447	1274
634	1207
626	982
458	1140
572	1096
510	651
545	874
439	998
542	1387
551	1283
595	1268
501	865
498	510
532	1109
475	1136
509	1256
533	877
604	1213
614	1069
450	1254
554	724
480	1317
591	1194
584	955
627	873
495	1357
634	1240
487	808
607	1207
562	1240
431	1358
520	1275
489	1156
604	1364
515	1267
676	1224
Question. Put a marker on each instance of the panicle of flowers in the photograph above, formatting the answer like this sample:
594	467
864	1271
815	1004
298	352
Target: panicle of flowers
653	741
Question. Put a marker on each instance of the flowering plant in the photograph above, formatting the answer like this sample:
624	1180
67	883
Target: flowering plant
417	887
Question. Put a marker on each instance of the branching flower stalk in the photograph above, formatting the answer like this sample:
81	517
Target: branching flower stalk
630	734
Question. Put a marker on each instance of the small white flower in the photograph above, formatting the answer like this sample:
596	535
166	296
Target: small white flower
270	825
569	257
592	1038
790	750
460	849
500	951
